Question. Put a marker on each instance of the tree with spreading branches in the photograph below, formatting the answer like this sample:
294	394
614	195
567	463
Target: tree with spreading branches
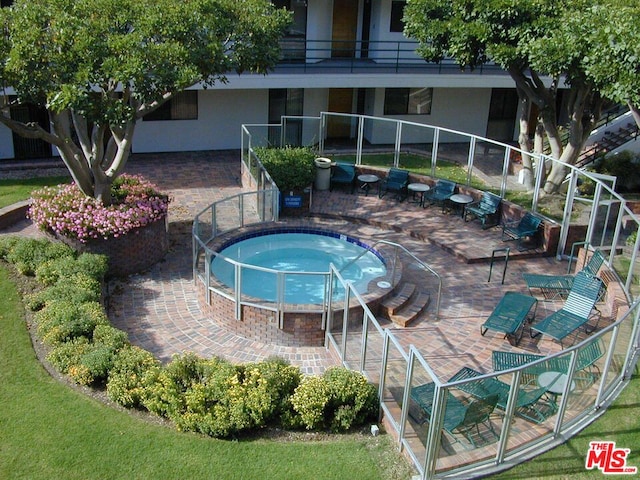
98	66
542	44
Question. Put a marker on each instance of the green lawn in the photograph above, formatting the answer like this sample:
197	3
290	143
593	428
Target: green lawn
12	191
49	430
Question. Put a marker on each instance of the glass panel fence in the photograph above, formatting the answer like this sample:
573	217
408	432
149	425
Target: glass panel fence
340	133
416	147
421	388
488	166
353	332
373	351
470	430
379	140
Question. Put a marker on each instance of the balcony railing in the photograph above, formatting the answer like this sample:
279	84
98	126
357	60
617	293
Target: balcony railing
300	55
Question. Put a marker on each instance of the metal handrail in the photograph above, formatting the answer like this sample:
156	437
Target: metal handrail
418	261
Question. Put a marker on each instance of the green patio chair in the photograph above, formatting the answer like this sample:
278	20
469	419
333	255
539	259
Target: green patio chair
440	193
397	181
510	314
487	210
576	311
460	417
530	404
343	174
526	227
552	286
586	368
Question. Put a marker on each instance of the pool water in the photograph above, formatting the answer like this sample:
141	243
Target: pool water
296	252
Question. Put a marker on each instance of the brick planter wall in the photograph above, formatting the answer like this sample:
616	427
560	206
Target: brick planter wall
133	253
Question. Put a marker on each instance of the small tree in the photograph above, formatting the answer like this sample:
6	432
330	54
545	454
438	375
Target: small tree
98	66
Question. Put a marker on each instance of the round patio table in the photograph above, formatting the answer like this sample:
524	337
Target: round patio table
418	189
366	180
460	201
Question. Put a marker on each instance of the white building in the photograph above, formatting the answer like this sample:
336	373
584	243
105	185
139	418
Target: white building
345	56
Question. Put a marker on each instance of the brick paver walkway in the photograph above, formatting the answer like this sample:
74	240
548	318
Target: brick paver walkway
159	310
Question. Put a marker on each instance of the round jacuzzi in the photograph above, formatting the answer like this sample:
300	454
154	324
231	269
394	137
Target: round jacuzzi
293	259
292	253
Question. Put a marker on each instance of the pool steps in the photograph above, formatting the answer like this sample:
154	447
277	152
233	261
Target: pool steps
404	304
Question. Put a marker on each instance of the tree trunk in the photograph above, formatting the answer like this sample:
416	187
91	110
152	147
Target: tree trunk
523	140
635	113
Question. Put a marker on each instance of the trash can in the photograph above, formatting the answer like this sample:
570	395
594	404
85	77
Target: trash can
323	173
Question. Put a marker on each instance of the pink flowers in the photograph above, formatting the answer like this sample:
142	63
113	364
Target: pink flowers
67	211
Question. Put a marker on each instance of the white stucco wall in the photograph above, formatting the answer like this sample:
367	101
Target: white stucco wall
460	109
220	116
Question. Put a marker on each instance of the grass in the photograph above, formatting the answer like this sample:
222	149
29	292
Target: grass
16	190
416	164
50	430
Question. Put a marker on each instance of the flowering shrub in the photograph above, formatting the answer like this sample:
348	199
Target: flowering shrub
66	211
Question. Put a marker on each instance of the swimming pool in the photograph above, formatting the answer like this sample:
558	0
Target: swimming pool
290	252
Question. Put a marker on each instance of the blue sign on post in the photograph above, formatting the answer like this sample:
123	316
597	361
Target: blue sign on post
293	201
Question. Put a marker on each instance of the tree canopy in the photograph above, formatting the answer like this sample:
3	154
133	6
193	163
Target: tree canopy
542	44
98	66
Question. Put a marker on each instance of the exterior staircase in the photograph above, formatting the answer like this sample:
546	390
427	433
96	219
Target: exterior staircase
611	140
404	304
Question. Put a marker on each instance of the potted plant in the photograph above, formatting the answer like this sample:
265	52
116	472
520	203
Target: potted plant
292	169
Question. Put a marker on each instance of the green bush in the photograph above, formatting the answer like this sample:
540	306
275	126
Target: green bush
7	244
92	265
338	400
77	288
61	321
291	168
624	165
125	383
88	363
28	253
68	354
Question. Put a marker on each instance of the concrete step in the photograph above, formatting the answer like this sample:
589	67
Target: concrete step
411	310
397	299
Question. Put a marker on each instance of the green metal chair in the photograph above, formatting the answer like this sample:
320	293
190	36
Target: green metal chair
343	174
487	210
526	227
586	368
576	311
440	193
397	181
460	418
552	286
510	314
529	402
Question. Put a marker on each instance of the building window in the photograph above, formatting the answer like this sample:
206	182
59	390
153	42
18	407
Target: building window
407	101
397	12
182	106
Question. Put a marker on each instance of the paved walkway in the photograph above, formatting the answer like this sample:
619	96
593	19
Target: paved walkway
159	310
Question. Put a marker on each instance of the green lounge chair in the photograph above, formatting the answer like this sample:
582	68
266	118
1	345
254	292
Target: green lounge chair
527	227
529	403
576	311
510	314
460	417
487	210
397	181
440	193
552	286
343	174
586	368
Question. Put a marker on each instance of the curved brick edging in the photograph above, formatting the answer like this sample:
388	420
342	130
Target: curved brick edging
14	213
134	252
